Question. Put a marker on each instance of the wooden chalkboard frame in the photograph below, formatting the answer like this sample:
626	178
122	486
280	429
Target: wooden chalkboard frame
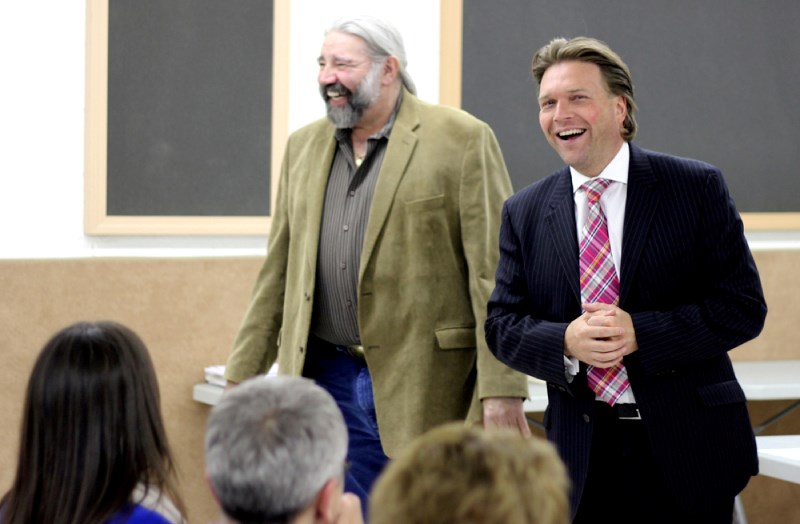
453	12
97	221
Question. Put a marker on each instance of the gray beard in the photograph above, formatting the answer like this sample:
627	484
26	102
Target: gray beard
347	116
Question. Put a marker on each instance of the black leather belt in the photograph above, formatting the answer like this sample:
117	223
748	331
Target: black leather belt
354	350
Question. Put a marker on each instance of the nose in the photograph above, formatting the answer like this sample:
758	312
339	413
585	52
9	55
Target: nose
326	75
561	111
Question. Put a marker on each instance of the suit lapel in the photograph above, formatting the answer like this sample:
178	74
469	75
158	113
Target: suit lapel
561	223
402	141
640	207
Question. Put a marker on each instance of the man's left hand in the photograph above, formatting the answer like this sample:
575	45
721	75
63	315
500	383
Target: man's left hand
505	412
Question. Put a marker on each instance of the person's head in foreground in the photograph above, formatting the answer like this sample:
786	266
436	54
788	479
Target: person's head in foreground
466	475
93	447
275	453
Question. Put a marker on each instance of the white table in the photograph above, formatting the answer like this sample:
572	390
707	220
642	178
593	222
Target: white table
537	396
761	380
770	380
537	390
779	457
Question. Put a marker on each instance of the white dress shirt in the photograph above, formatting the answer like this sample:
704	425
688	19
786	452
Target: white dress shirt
612	202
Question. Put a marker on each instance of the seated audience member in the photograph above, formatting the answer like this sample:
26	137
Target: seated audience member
456	474
275	453
93	449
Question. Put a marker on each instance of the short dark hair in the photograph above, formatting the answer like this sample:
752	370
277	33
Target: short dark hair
613	68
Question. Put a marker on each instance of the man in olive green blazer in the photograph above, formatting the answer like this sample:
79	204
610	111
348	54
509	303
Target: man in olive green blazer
427	263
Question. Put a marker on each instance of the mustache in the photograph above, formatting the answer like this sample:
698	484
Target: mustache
336	87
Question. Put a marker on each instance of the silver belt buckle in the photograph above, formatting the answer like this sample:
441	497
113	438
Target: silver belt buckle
638	416
356	351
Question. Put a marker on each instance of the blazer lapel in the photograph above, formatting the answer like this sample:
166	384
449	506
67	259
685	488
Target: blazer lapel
561	222
402	141
318	167
640	207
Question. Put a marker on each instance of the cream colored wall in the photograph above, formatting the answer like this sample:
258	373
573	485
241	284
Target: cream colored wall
187	310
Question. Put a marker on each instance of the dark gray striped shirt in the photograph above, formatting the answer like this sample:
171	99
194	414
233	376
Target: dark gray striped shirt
348	198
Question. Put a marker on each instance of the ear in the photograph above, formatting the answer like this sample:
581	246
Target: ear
621	108
391	70
216	497
211	488
326	505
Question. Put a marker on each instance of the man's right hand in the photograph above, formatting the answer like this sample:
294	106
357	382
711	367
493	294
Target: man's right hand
592	339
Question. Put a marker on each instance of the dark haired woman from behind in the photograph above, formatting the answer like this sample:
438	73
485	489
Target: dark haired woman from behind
93	449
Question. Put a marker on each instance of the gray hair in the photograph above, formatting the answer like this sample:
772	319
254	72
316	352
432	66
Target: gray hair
271	445
382	38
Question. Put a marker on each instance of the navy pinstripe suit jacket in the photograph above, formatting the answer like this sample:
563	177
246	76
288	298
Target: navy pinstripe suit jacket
688	280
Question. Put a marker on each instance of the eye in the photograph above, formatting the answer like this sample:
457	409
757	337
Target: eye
544	104
344	64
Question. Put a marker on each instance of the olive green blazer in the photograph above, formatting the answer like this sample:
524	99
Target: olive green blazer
427	269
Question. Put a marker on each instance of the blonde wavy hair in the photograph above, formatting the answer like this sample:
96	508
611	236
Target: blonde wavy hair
467	475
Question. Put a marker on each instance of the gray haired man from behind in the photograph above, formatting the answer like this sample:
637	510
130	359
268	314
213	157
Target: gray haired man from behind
275	453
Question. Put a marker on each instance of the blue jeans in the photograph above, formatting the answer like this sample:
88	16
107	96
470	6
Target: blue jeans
348	381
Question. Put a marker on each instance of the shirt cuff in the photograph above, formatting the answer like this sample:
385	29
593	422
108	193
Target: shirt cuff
571	367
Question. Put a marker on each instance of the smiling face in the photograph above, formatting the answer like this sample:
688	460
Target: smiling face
348	81
579	117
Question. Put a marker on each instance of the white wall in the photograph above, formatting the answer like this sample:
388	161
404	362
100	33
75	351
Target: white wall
42	53
41	128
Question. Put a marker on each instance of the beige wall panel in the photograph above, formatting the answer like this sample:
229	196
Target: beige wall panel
186	310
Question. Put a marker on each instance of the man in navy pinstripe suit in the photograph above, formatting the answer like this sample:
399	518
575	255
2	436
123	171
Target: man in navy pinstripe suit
677	446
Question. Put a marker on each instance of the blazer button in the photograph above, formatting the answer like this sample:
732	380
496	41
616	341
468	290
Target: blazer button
302	349
586	418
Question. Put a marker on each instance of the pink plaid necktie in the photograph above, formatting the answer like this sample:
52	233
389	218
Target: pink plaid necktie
599	283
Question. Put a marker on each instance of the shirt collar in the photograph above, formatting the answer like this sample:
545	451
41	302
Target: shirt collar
616	170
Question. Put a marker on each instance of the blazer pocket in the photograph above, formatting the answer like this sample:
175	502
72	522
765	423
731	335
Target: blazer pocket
456	337
424	204
722	393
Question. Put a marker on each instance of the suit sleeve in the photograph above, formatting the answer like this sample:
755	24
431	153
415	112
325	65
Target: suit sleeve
256	346
721	308
532	345
485	186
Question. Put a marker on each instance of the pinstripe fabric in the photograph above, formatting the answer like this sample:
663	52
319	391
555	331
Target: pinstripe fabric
348	198
693	292
599	283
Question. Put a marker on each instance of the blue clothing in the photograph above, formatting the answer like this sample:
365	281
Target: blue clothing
136	514
348	381
130	514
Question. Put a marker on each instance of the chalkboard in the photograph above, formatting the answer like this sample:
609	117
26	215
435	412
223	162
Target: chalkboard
188	120
714	80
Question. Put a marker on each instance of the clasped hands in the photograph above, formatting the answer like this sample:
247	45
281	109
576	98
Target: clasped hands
601	336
